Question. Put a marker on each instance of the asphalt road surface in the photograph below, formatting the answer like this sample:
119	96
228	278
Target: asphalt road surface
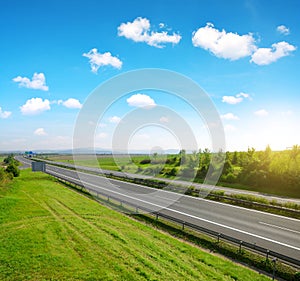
273	232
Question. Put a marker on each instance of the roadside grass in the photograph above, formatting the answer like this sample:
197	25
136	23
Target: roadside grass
48	232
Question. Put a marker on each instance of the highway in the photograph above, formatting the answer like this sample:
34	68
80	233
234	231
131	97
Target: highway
276	233
179	182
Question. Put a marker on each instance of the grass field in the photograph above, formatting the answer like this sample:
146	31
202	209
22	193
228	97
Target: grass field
48	232
107	162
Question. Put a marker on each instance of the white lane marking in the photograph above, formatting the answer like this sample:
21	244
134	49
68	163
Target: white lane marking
280	227
192	216
201	199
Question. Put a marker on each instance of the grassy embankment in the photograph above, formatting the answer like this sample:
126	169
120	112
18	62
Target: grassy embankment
48	232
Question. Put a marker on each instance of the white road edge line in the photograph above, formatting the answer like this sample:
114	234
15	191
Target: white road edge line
280	227
191	216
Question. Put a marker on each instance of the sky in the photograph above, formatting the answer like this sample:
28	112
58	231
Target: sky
244	54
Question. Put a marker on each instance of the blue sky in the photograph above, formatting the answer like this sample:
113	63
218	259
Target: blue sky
244	54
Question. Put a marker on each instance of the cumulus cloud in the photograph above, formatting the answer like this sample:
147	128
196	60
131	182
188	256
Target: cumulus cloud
114	119
261	113
38	82
164	119
264	56
97	60
35	106
4	114
229	116
141	100
139	31
40	132
283	30
232	99
224	44
235	99
244	95
233	46
70	103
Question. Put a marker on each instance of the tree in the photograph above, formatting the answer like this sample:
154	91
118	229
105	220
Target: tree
182	154
295	152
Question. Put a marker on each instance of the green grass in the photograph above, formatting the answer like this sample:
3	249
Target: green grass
48	232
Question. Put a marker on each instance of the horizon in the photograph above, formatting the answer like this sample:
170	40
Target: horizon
103	151
247	68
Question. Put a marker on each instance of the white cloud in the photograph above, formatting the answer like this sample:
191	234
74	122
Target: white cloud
139	31
229	116
264	56
232	99
35	106
40	132
244	95
283	30
114	119
234	46
141	100
38	82
222	44
164	119
235	99
4	114
70	103
261	113
97	60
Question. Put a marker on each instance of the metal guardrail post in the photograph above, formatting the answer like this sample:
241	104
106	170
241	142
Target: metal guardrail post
240	248
274	268
267	255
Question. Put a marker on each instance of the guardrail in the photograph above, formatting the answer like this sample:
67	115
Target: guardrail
242	244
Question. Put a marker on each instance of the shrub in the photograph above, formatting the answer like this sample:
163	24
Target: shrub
13	169
145	161
230	178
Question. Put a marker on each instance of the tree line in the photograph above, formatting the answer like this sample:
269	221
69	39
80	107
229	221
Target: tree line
265	171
